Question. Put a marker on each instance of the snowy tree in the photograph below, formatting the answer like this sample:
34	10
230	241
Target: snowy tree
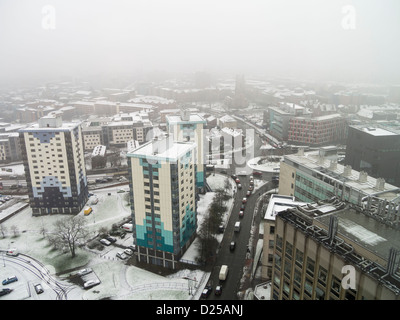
68	233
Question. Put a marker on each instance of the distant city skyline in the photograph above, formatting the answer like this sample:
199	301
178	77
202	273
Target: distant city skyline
352	40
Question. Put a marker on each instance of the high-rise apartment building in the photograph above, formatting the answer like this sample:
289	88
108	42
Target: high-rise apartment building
162	175
189	127
334	251
52	153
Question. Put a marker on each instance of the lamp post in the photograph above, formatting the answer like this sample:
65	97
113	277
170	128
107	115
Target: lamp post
190	284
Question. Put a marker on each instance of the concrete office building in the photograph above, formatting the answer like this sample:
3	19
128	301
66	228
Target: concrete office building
189	127
316	245
310	177
162	178
276	204
52	153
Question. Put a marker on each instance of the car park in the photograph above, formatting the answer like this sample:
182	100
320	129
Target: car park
9	280
39	289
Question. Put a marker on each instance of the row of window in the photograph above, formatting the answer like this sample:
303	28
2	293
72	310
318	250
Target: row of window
308	289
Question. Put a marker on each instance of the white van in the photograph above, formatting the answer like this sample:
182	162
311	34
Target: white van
237	226
128	227
223	273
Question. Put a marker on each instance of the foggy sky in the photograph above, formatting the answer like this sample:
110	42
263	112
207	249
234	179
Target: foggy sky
292	38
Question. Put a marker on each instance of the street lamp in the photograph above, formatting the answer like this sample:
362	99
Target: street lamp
190	285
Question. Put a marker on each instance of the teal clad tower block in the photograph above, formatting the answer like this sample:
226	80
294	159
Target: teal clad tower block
187	126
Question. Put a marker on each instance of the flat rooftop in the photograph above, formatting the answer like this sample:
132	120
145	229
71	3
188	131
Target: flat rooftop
193	118
366	231
311	161
162	150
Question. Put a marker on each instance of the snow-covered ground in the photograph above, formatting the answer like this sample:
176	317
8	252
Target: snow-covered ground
118	280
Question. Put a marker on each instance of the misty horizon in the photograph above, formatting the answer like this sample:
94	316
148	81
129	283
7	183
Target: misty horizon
351	41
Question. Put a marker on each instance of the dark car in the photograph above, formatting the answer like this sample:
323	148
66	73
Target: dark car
241	214
5	291
234	176
111	239
232	246
257	173
206	292
221	228
39	289
218	290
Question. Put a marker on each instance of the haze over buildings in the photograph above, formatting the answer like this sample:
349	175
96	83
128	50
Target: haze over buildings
309	39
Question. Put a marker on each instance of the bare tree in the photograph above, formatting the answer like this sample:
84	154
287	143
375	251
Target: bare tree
69	232
15	230
3	230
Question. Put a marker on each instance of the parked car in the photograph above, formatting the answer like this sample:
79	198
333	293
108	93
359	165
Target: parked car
251	188
206	292
218	290
129	252
10	280
221	228
5	291
84	271
105	242
234	176
121	255
257	173
90	283
237	180
39	289
111	239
